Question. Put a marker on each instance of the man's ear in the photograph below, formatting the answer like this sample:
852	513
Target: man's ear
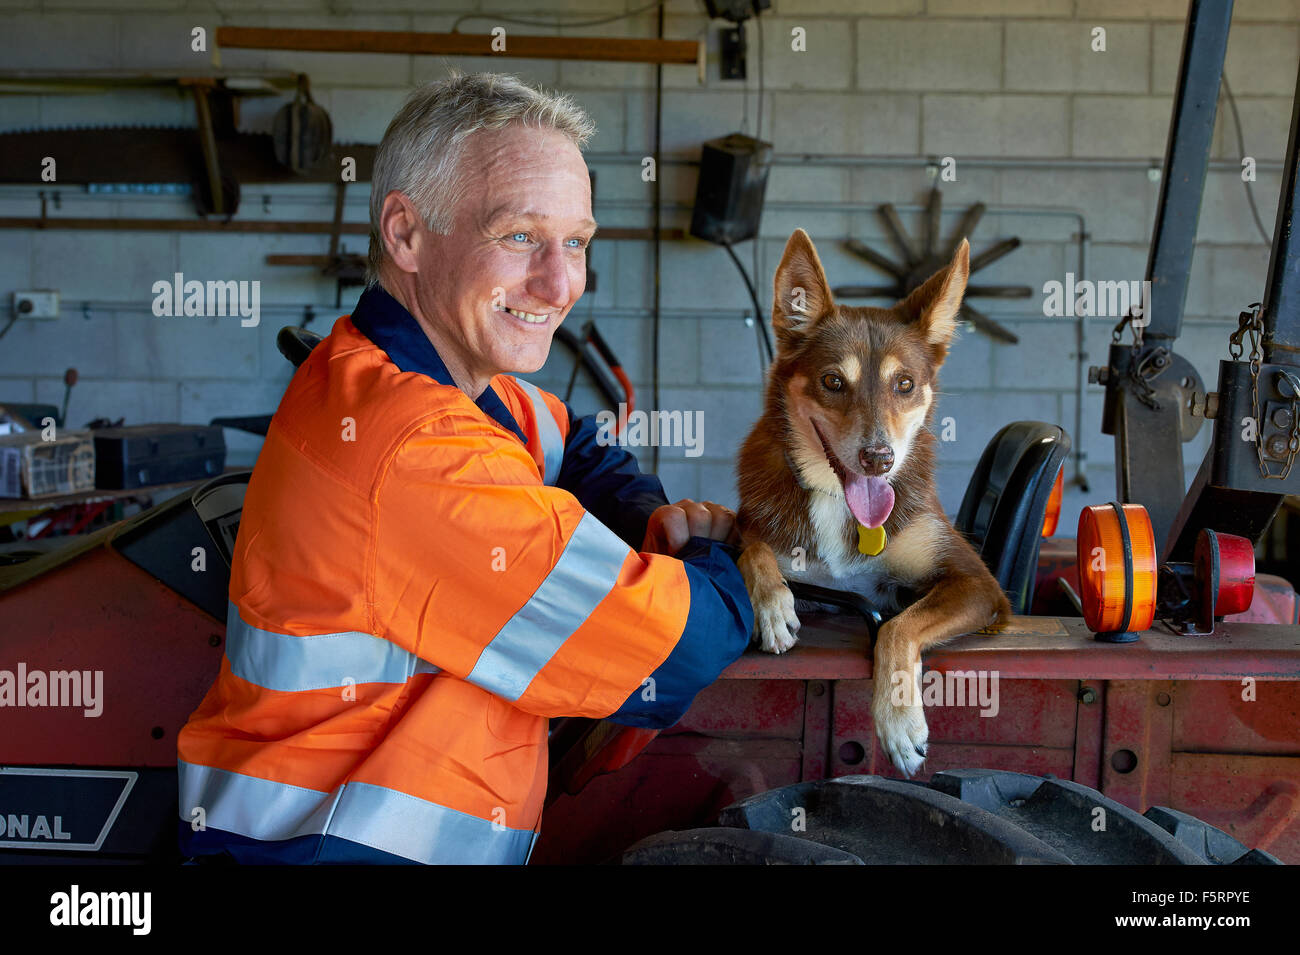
400	229
801	296
935	305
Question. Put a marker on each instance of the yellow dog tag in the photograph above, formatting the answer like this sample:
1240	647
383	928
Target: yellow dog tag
871	540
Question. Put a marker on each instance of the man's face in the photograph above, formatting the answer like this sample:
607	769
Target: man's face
518	245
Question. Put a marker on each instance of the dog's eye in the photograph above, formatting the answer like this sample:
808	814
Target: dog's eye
832	382
904	384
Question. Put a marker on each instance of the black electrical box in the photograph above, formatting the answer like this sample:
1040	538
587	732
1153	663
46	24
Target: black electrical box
145	454
729	196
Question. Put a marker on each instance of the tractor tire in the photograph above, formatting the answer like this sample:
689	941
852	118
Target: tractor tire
968	816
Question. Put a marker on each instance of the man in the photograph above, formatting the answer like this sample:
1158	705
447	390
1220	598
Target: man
434	556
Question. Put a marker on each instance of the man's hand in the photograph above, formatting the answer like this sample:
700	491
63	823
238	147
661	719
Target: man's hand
672	525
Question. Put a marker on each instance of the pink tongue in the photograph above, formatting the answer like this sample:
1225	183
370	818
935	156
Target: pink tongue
870	499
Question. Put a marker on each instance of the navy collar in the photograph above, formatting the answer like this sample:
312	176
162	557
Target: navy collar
387	323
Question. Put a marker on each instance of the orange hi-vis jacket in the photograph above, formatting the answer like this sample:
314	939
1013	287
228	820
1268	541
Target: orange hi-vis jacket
419	581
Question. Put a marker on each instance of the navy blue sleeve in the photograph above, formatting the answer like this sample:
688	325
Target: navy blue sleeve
607	481
717	632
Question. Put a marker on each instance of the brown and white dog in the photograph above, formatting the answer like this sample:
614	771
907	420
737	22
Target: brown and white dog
842	449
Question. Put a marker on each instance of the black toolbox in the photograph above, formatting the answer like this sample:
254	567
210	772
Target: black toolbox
145	454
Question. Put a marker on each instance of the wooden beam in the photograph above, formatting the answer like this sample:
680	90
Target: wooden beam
617	49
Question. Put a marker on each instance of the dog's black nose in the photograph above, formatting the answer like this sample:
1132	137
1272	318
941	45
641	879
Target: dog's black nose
876	460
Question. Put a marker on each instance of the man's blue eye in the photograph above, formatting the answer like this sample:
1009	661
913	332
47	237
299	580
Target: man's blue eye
582	243
518	235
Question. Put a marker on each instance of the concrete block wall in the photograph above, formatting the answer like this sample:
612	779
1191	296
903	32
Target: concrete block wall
883	86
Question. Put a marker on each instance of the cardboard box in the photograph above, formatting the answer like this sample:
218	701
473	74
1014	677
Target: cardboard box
33	468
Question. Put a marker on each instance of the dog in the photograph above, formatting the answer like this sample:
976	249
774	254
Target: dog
843	449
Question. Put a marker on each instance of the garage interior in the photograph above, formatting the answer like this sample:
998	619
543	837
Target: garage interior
1074	142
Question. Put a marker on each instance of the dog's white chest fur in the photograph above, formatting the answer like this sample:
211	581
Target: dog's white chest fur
907	558
834	564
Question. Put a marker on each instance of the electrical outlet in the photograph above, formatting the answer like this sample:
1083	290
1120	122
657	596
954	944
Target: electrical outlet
41	303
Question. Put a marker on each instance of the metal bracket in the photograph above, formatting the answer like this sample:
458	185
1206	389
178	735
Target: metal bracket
1237	462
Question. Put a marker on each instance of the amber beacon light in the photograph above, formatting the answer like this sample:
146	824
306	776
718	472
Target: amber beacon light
1117	570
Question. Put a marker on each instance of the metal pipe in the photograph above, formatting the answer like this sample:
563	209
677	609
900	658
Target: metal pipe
1191	131
1148	445
1148	166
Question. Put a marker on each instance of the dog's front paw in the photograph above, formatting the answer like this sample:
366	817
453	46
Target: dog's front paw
775	622
900	724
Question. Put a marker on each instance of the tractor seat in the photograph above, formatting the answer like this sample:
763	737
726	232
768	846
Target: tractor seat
1002	511
296	343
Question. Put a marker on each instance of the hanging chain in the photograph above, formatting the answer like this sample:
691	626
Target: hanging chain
1250	323
1140	373
1116	333
1247	321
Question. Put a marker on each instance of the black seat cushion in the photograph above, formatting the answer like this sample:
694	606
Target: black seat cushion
1002	511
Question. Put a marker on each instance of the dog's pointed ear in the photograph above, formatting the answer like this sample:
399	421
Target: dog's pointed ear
801	295
936	304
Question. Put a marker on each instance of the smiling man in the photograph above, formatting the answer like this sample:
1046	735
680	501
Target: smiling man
435	556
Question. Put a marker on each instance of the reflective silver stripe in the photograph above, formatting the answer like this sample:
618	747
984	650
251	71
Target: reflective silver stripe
585	573
548	431
249	806
279	661
370	815
424	831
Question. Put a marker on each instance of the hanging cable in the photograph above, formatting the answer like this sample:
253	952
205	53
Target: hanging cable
765	342
1241	154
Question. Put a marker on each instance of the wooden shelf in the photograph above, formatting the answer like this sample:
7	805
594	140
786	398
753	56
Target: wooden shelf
615	49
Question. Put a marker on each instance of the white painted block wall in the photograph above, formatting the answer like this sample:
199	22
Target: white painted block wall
881	78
